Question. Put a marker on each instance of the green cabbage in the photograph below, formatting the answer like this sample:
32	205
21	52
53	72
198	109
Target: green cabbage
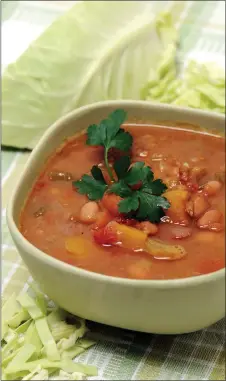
96	51
37	343
101	51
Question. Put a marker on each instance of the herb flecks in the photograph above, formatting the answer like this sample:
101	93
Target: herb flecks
141	194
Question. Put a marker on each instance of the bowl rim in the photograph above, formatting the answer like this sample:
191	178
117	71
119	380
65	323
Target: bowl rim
38	254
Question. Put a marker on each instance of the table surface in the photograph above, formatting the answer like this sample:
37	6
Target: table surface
120	354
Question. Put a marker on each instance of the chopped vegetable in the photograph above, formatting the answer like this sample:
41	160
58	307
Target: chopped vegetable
21	357
30	305
202	85
9	311
47	339
177	199
37	374
79	246
110	202
37	347
66	365
23	327
162	250
31	336
128	237
61	330
67	376
18	318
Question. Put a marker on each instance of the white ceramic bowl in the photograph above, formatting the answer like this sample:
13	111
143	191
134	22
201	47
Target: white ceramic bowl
157	306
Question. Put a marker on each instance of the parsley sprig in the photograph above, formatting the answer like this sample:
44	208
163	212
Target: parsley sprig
109	134
141	194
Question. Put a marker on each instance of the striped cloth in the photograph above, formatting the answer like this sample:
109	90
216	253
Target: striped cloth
121	354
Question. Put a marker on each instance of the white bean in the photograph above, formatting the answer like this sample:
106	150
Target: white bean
88	212
212	187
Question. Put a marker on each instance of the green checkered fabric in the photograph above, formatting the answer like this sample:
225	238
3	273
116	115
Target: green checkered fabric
121	354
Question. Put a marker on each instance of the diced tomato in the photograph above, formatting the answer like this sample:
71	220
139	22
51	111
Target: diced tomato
105	236
102	219
110	202
125	221
192	187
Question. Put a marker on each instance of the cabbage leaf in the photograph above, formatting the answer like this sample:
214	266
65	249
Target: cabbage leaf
96	51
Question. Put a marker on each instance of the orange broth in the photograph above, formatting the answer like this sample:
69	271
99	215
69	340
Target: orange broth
51	212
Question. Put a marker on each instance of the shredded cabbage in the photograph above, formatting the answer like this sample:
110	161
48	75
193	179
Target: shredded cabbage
30	305
40	342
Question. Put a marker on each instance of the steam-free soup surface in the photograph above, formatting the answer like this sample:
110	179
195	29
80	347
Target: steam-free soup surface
187	161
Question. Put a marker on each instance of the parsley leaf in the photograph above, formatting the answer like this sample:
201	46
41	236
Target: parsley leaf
105	133
151	207
122	140
97	174
156	187
109	135
129	204
93	186
145	203
121	166
121	189
138	172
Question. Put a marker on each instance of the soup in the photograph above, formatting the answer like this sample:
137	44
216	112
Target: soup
164	229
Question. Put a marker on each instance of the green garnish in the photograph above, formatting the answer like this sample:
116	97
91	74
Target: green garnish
109	134
93	186
146	202
141	193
